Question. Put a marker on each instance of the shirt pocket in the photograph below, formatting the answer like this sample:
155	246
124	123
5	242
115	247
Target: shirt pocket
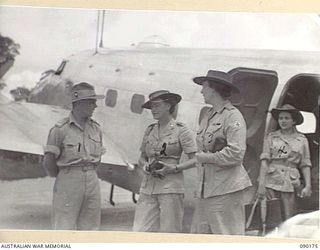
95	145
211	134
271	170
173	147
274	176
71	148
294	177
294	156
173	141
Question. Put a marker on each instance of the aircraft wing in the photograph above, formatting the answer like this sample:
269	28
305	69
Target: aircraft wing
24	129
24	126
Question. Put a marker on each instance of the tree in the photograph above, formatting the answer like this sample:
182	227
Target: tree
8	51
20	93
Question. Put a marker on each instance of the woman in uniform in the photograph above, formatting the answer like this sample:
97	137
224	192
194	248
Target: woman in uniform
160	205
221	140
285	152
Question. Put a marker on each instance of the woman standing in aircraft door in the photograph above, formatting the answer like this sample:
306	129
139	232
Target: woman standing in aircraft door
160	205
221	141
284	152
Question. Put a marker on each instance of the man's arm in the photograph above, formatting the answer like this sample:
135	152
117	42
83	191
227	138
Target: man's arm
52	152
49	163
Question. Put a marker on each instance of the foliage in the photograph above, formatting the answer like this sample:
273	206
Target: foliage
20	93
8	49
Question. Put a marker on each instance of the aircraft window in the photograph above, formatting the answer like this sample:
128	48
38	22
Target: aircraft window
136	103
111	98
309	123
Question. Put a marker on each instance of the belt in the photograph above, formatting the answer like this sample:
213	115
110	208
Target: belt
283	163
83	168
280	161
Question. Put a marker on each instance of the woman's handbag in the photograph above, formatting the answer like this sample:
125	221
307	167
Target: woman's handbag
263	215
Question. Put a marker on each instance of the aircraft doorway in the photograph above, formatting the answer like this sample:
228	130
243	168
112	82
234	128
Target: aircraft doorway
303	92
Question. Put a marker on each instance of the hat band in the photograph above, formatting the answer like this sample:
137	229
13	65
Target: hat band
79	94
157	99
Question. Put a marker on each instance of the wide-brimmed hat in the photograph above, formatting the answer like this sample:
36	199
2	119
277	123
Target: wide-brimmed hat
161	95
82	91
218	77
296	114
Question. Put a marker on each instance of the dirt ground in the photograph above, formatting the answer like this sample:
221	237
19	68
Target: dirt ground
26	204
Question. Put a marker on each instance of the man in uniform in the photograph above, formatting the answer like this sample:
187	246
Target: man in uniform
72	154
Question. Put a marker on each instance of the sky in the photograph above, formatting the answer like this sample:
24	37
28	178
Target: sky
48	35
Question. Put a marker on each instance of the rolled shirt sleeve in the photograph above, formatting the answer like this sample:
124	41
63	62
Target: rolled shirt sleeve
187	140
305	155
103	148
235	133
54	142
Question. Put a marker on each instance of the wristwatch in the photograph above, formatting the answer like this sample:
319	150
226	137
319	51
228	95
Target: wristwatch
176	170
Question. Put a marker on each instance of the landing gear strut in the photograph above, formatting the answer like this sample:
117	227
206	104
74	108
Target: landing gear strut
111	195
134	198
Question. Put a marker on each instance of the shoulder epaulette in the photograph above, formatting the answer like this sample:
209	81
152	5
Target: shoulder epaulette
149	128
62	122
274	133
301	135
95	122
181	124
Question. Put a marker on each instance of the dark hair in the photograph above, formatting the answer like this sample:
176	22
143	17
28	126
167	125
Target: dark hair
223	90
173	105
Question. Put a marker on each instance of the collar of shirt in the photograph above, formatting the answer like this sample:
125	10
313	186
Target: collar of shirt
227	105
167	129
72	120
294	136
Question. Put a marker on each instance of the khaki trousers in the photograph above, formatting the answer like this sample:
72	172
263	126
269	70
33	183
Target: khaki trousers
223	214
76	200
159	213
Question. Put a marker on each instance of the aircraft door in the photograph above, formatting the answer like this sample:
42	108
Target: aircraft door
303	92
257	87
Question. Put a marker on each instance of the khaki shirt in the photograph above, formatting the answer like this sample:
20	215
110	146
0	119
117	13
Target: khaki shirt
177	139
74	146
222	136
285	156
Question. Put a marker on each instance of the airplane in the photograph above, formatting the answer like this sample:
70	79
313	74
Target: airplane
267	79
